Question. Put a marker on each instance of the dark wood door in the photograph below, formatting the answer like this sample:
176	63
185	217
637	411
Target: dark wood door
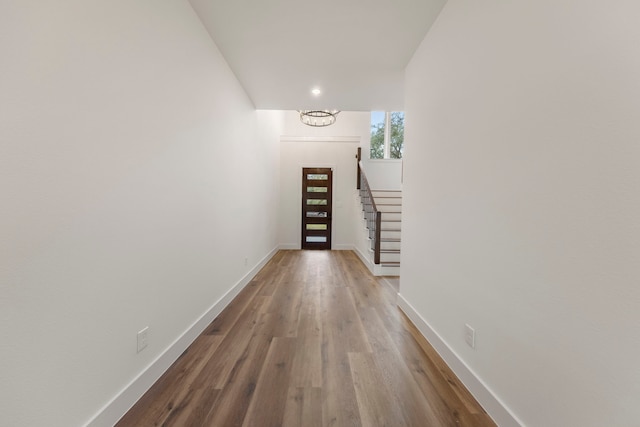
316	208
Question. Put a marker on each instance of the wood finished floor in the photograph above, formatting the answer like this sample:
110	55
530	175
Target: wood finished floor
313	340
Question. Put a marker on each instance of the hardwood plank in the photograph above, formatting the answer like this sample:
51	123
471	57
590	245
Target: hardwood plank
286	302
340	317
374	405
307	362
268	409
339	404
410	406
231	407
194	409
304	407
217	369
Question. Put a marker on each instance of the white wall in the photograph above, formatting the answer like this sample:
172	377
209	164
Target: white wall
382	174
332	146
121	130
522	215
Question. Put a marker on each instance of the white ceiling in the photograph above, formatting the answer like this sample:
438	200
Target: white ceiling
354	50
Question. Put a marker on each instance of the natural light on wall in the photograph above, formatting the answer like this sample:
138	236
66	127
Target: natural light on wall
387	134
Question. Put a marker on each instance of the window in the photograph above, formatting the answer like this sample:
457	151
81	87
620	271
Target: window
387	134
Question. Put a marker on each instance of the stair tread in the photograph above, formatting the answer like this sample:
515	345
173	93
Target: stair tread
389	251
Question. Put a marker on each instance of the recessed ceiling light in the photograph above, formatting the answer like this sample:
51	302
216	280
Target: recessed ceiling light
316	91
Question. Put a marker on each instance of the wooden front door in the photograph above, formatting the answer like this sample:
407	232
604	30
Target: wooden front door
316	208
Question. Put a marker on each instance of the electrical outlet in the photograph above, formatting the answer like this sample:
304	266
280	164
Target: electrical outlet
143	339
470	336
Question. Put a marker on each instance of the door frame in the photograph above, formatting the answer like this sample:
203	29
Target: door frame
302	214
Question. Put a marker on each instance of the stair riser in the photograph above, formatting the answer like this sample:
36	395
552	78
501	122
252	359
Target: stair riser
386	208
389	234
389	257
390	245
378	193
391	226
391	216
388	201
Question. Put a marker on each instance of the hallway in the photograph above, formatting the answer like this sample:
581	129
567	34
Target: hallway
313	340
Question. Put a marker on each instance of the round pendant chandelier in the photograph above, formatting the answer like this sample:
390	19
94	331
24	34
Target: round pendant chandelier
318	118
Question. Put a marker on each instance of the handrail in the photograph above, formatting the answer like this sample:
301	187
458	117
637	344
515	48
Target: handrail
371	213
363	180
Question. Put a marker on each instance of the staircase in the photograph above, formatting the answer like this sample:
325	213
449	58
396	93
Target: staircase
387	206
379	245
389	203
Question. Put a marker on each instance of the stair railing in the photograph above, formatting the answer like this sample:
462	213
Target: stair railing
371	213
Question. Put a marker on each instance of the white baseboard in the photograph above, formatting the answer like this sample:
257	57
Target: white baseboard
296	246
487	399
126	398
365	260
376	269
342	247
289	246
381	270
